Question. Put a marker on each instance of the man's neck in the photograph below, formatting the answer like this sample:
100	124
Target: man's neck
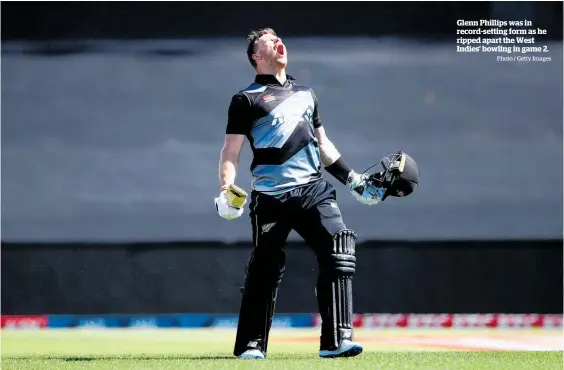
280	74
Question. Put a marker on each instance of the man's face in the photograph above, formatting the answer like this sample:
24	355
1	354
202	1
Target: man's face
269	49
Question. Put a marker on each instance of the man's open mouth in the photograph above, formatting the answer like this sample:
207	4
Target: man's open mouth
280	49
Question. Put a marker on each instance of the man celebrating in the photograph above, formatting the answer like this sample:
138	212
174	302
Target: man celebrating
282	123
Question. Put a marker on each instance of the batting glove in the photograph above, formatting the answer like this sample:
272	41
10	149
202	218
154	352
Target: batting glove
364	193
225	210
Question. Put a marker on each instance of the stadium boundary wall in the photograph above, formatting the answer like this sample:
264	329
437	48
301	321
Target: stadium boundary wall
392	277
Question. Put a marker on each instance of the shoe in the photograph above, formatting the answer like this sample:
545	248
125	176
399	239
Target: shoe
346	349
252	354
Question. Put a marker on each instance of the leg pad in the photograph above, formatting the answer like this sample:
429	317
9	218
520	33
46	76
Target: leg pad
334	291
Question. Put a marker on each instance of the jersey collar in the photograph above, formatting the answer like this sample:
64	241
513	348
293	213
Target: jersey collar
264	79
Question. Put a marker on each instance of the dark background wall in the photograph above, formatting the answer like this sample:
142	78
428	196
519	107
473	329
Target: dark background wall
455	277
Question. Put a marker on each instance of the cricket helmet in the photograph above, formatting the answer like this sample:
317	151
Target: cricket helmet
398	173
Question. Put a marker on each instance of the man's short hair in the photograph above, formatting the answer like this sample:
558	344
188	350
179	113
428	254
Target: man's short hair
252	39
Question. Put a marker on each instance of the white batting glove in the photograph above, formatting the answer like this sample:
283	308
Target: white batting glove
225	210
365	194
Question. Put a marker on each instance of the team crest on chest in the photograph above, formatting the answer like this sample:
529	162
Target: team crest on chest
268	98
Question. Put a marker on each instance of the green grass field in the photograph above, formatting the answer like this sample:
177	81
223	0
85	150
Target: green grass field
288	349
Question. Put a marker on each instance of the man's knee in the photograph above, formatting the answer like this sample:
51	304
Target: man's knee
342	260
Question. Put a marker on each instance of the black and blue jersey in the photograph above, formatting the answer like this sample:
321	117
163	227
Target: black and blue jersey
279	122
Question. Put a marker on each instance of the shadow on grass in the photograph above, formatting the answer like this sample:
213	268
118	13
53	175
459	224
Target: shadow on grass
119	357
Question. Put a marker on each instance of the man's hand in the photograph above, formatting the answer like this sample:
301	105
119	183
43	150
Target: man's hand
225	210
364	193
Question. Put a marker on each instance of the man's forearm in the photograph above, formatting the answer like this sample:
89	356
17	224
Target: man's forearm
329	154
227	168
333	162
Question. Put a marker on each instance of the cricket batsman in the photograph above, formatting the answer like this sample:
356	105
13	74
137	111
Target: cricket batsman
282	123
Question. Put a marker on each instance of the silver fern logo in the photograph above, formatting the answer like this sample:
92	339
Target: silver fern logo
266	227
308	115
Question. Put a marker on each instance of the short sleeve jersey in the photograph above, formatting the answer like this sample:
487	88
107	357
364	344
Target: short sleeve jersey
279	122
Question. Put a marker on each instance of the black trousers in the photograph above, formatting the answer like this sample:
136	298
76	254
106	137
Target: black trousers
311	211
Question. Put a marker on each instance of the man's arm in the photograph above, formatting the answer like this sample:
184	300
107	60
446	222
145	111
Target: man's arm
329	154
331	159
334	163
229	159
238	125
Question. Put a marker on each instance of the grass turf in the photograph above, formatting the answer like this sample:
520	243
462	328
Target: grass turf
211	349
